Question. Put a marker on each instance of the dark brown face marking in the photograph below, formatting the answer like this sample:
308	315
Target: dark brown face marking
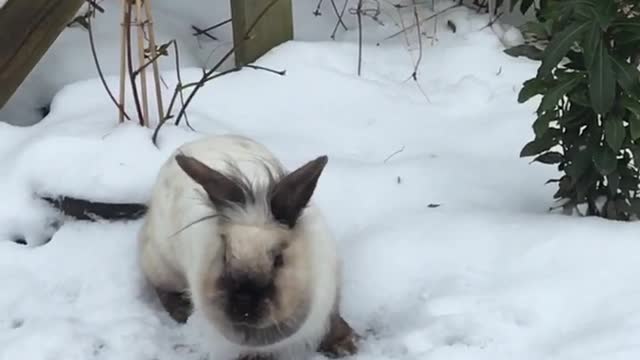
247	296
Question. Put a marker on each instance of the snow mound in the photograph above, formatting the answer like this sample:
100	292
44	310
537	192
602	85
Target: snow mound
448	247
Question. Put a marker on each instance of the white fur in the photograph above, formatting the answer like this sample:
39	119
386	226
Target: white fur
173	259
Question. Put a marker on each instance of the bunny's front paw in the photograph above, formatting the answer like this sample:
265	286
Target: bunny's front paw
341	340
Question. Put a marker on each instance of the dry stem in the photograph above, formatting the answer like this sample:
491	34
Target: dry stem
207	75
156	70
99	68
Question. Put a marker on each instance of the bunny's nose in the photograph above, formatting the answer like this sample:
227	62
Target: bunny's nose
244	307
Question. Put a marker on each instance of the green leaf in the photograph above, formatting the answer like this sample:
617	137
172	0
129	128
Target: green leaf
602	81
627	37
614	132
613	182
553	96
541	125
580	97
635	206
634	127
535	28
592	40
560	44
628	183
524	6
539	144
551	157
631	105
580	162
531	88
627	76
574	118
605	161
635	150
634	118
528	51
605	12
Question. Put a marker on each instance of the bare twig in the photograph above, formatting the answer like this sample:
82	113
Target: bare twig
359	14
95	5
417	65
423	21
134	88
180	87
156	70
99	68
123	49
143	75
179	76
151	61
200	32
340	16
317	12
208	73
394	154
257	67
203	32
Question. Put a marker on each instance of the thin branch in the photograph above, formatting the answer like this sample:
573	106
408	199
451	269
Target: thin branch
317	10
179	76
338	14
257	67
359	14
95	5
99	68
208	73
335	29
203	32
394	154
154	137
415	69
179	88
134	88
150	62
423	21
200	32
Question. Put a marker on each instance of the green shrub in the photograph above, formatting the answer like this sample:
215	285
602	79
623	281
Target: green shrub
588	120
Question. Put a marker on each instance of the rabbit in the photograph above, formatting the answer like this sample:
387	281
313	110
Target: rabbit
230	229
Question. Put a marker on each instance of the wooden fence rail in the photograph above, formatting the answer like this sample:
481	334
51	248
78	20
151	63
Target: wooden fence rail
28	28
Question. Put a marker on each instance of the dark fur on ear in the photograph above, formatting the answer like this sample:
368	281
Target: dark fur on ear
292	193
221	189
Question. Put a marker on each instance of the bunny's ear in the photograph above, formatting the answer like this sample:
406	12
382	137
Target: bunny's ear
293	192
221	189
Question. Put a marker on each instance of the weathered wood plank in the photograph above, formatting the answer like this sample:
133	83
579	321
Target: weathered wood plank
274	28
27	30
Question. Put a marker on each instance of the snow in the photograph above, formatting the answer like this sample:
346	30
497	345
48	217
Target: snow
448	248
69	58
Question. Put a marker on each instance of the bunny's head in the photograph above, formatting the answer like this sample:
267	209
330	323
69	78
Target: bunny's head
256	289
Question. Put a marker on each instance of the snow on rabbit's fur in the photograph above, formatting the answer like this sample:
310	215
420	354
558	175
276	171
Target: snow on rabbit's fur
449	251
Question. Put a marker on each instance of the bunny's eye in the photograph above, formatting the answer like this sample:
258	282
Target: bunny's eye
278	261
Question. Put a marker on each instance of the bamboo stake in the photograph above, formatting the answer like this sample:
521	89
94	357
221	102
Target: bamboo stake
156	71
141	60
123	55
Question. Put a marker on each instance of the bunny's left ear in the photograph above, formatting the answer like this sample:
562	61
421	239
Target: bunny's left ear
293	192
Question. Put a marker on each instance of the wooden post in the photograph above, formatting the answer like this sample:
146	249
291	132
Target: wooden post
273	29
27	29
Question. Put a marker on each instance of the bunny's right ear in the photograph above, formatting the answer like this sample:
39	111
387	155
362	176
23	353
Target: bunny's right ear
221	189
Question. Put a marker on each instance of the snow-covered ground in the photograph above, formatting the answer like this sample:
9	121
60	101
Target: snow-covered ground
448	247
